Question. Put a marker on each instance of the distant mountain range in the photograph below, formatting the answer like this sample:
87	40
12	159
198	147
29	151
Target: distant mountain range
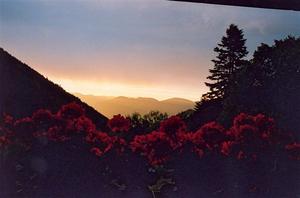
23	91
109	105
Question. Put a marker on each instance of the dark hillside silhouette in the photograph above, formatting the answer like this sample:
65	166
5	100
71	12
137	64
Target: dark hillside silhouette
23	90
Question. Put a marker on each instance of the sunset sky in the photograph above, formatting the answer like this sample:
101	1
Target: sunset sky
147	48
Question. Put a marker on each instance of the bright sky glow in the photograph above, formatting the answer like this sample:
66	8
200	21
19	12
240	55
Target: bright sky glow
147	48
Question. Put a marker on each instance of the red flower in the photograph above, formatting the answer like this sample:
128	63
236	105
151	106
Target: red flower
267	128
213	134
264	123
226	147
246	134
260	126
198	144
43	120
156	146
4	141
182	140
7	119
119	124
172	126
243	119
253	135
119	144
57	134
97	151
42	116
6	133
71	111
84	124
293	150
100	140
175	128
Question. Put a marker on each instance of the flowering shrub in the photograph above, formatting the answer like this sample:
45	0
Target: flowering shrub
252	144
6	133
198	144
119	124
293	150
253	135
70	111
119	144
101	142
226	147
172	126
56	134
4	141
208	138
42	116
155	146
249	137
175	128
7	120
84	125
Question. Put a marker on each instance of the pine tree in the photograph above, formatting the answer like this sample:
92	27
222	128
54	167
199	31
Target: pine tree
231	53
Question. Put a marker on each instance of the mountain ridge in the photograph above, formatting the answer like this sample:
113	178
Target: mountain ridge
23	90
127	105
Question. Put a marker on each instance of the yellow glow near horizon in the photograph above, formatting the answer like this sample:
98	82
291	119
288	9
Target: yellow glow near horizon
121	89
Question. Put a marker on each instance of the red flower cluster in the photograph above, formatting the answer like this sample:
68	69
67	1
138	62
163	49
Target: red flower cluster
101	142
293	150
70	111
209	138
4	141
156	146
84	124
7	120
249	137
6	133
176	130
119	124
172	126
68	120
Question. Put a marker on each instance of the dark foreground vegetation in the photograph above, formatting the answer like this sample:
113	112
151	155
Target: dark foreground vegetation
64	155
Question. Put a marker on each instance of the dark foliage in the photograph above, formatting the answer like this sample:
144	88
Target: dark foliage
231	53
143	124
270	84
205	111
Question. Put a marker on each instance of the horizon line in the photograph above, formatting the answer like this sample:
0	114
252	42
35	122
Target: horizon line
131	97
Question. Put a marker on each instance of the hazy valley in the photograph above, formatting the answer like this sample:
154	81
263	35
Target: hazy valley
109	105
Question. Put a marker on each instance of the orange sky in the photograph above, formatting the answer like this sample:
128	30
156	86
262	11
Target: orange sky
135	48
124	76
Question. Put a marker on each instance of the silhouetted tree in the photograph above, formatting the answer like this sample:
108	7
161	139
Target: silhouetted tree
231	53
146	123
270	84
